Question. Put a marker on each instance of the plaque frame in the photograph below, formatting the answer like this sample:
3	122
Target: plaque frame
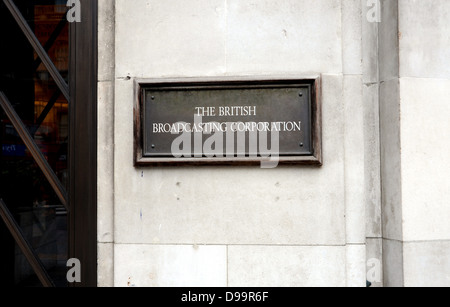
141	85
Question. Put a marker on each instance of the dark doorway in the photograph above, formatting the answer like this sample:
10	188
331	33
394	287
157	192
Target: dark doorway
48	142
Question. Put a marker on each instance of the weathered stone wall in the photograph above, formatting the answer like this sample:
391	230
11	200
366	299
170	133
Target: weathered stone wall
289	226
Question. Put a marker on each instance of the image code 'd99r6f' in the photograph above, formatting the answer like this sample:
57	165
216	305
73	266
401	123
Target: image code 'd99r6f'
246	296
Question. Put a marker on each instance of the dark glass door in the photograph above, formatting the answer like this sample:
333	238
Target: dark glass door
37	228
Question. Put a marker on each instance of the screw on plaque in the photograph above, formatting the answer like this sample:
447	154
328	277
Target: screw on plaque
153	97
153	146
301	94
301	145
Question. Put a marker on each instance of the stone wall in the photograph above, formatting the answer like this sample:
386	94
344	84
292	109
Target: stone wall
293	225
415	143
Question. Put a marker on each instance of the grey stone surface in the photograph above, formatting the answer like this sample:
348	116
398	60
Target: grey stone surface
356	265
352	37
372	172
393	272
105	165
369	47
388	39
288	266
283	36
105	255
354	160
391	160
142	265
105	143
424	39
371	113
374	265
170	38
227	37
106	40
425	133
427	264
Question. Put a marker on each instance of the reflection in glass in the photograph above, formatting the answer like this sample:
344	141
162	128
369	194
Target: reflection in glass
51	29
44	110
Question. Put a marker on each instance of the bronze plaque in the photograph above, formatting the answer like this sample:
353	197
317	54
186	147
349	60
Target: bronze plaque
226	121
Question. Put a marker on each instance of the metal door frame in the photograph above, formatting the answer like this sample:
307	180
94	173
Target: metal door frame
83	142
